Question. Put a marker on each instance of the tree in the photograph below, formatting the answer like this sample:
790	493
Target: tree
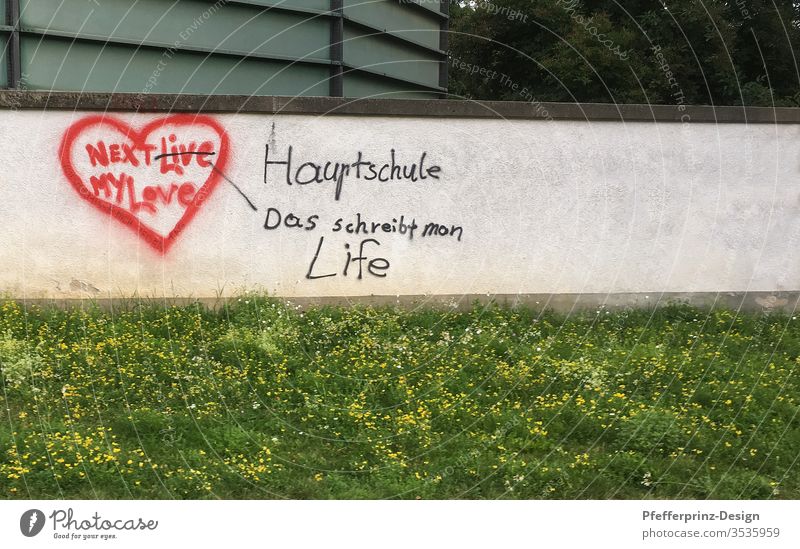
638	51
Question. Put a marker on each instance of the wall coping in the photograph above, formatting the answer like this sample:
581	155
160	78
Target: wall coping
785	301
440	108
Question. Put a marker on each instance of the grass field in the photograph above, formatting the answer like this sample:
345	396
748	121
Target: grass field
261	400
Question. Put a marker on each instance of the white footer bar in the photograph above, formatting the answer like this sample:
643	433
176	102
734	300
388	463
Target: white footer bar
399	524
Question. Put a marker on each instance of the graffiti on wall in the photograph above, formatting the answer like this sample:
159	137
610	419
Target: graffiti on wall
360	258
154	179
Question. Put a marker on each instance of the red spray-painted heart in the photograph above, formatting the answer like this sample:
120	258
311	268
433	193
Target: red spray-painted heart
153	180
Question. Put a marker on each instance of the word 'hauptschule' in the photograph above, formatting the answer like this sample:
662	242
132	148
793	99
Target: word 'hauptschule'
312	172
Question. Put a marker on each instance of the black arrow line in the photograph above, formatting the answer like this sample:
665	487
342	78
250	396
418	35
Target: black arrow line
167	155
235	186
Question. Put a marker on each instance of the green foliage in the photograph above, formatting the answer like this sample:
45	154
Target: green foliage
262	400
718	52
653	430
17	361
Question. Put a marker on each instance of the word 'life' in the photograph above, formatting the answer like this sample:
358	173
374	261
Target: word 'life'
362	259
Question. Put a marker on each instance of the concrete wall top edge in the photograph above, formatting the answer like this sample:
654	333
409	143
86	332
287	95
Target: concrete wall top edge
39	100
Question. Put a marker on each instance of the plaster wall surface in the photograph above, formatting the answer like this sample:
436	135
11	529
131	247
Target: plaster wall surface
528	206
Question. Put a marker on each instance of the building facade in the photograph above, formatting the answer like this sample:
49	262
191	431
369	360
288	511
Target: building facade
351	48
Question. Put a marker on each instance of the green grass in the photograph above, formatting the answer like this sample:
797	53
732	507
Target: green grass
260	400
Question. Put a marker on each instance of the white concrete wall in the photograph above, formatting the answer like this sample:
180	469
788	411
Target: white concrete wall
544	206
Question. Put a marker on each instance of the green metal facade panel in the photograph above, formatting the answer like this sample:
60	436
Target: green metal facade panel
371	51
251	47
52	63
360	85
318	5
188	23
396	18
